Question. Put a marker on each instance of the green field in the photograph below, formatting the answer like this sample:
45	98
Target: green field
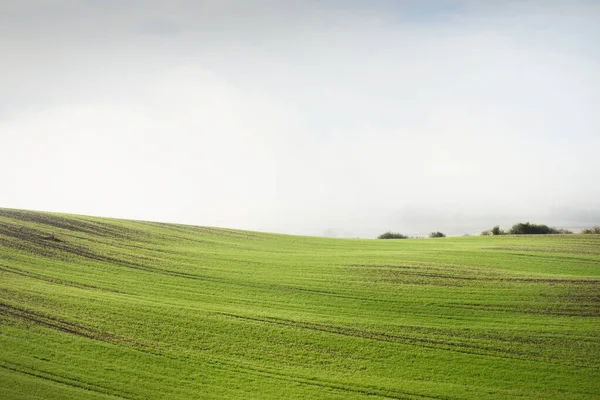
140	310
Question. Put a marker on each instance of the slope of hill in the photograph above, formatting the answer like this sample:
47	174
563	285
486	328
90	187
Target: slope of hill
101	308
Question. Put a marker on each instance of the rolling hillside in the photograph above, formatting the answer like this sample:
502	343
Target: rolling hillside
101	308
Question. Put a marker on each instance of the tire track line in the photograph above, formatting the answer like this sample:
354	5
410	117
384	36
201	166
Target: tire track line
74	383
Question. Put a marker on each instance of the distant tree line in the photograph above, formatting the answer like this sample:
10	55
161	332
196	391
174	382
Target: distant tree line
527	228
592	231
436	235
522	228
395	235
392	235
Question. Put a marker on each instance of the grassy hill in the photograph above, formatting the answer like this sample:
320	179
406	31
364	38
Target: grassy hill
102	308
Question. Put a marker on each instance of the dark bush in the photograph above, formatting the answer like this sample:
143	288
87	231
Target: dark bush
564	231
592	231
526	228
392	235
436	235
497	231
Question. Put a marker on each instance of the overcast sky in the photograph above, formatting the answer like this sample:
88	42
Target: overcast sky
345	118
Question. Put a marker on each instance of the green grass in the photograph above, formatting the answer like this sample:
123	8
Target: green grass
139	310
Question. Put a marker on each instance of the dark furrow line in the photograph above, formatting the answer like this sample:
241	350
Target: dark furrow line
61	325
425	273
56	281
65	381
368	390
71	224
383	337
560	251
589	312
579	259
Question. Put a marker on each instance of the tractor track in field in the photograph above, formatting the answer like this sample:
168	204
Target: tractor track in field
102	229
581	297
392	338
38	242
37	318
71	328
57	281
427	271
48	245
63	380
368	390
585	250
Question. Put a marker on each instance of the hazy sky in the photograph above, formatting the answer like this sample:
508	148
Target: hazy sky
345	117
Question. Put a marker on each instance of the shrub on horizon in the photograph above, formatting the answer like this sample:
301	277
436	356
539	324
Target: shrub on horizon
436	235
595	230
392	235
564	231
526	228
497	231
